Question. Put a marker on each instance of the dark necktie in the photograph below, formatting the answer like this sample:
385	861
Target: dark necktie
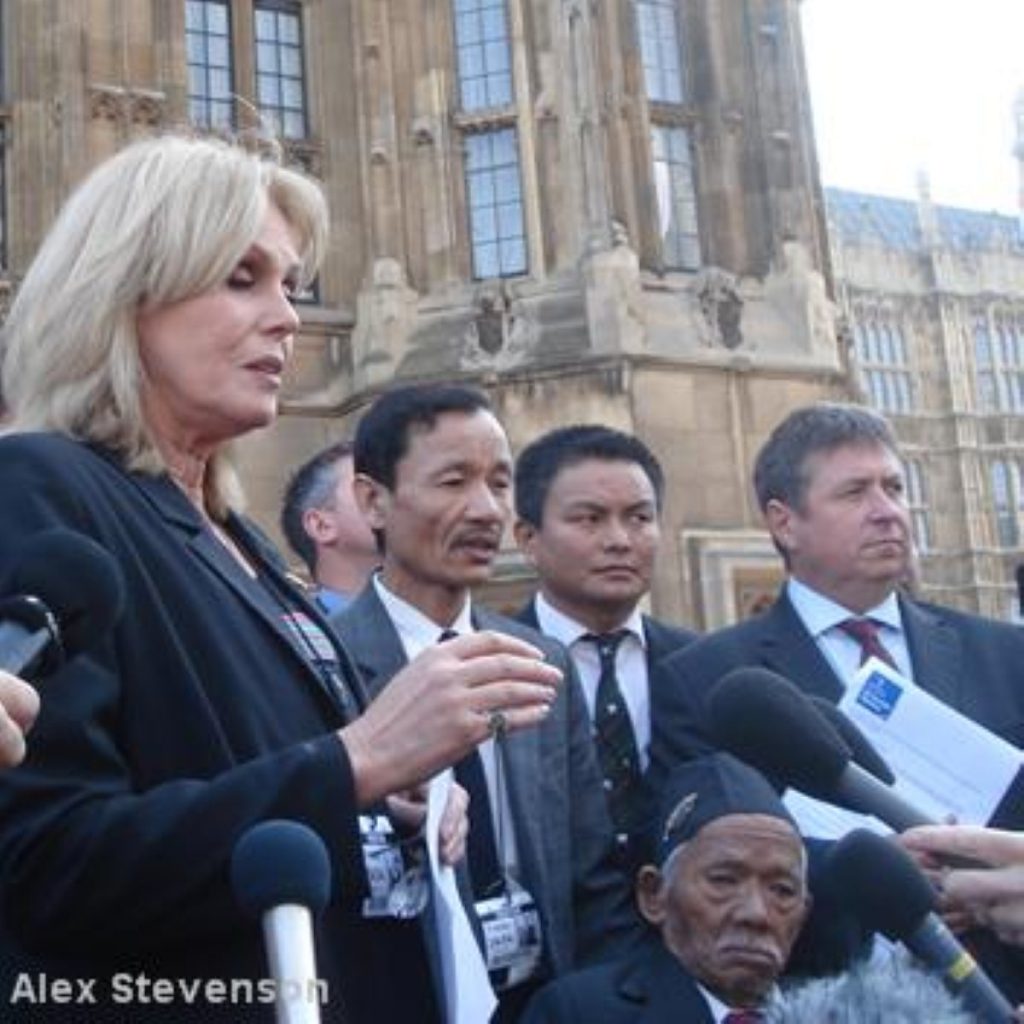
481	843
865	632
743	1017
613	735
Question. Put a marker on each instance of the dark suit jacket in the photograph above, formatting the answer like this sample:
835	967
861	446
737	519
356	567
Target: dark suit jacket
662	640
651	987
194	719
971	663
562	826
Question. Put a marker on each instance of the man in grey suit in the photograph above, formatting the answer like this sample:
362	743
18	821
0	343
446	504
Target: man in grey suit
829	483
434	480
588	502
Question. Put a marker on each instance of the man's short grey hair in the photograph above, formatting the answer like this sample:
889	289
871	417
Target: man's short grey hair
780	472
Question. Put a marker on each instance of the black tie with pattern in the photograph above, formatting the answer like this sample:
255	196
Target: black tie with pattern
614	738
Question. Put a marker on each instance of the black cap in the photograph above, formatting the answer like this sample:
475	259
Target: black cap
699	792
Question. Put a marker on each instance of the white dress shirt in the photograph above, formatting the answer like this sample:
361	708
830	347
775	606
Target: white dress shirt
630	666
821	617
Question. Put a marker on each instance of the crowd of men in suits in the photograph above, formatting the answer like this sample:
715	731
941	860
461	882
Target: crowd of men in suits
433	479
637	869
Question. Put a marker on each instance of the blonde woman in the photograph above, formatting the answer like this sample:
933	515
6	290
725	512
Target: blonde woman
154	328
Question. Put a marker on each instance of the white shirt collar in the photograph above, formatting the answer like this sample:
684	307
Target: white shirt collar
565	629
416	630
820	613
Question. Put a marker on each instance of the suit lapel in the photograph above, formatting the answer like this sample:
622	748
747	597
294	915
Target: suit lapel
935	653
662	990
376	645
183	519
785	646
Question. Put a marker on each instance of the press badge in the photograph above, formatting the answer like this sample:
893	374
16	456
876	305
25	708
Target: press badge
396	873
512	937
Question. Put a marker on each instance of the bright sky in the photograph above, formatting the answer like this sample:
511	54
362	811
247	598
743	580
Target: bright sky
899	86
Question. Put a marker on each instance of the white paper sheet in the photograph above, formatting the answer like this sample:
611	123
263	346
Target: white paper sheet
468	993
944	763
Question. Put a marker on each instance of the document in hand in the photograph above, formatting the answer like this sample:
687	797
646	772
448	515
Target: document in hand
944	763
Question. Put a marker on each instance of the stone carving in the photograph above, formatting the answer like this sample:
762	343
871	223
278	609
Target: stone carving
127	105
721	308
501	334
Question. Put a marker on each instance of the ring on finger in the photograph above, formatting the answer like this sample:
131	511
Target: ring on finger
496	722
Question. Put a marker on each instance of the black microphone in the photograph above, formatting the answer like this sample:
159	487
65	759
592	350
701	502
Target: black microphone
861	748
281	872
885	890
65	592
767	722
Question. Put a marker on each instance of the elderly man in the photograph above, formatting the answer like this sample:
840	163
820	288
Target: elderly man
434	481
728	900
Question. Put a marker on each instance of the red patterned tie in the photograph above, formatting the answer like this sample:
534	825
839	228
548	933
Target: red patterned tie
865	632
743	1017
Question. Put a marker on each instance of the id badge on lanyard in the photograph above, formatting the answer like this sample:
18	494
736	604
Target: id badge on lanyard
512	934
396	870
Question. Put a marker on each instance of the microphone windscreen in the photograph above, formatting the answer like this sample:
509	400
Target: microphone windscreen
77	580
862	749
880	883
280	861
766	721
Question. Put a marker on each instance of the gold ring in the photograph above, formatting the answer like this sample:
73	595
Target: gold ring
496	722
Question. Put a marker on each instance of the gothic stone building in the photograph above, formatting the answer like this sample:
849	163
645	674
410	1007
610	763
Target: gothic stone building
596	210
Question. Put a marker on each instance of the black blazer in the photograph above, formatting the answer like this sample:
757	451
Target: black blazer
195	718
651	987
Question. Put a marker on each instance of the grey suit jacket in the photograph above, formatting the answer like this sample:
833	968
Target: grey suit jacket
563	831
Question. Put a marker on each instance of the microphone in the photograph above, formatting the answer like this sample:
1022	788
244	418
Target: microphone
65	593
281	872
885	890
862	749
766	721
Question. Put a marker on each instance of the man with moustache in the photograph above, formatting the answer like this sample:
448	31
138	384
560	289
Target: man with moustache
434	481
726	892
830	486
588	501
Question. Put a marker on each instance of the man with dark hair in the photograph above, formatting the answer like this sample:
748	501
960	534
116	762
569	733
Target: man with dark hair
829	482
727	893
322	523
588	500
434	481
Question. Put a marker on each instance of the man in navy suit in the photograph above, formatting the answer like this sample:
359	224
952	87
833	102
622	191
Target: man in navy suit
830	485
727	895
588	500
434	481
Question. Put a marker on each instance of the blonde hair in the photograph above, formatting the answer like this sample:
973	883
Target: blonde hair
163	220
